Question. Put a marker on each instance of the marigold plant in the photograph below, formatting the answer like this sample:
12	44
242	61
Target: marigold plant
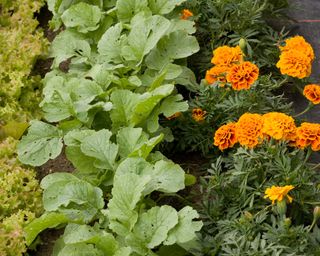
295	63
198	114
249	130
312	93
308	134
225	136
242	76
217	74
279	193
227	56
279	126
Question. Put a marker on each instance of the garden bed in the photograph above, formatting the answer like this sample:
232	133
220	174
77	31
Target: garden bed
162	128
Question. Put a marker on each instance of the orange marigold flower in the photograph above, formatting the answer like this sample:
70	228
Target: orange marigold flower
242	76
308	134
249	130
279	126
227	56
225	136
298	43
312	93
174	116
217	74
294	63
198	114
278	193
186	14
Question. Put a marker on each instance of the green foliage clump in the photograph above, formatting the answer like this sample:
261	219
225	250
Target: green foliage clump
19	188
7	148
122	60
21	42
12	242
20	197
240	221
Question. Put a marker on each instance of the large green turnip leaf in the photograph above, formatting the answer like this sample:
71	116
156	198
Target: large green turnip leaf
77	199
47	220
82	16
126	9
164	6
144	35
70	44
135	142
186	229
99	147
109	45
152	228
126	193
43	142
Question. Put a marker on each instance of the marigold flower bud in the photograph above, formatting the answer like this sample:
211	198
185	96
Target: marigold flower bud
242	44
248	215
287	222
316	213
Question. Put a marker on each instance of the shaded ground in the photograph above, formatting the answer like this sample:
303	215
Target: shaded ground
48	238
306	14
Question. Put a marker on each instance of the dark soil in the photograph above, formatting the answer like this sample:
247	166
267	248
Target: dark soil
59	164
48	238
44	16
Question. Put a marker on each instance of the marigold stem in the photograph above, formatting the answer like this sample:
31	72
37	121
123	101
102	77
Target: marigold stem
310	106
315	166
312	225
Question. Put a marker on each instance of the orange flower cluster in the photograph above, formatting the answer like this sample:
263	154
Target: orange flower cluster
296	58
312	93
186	14
247	131
252	129
198	114
230	67
308	134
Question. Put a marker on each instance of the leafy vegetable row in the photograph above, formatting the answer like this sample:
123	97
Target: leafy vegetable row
121	61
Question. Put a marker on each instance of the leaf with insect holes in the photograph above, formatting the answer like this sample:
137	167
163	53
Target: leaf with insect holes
43	142
152	228
82	16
